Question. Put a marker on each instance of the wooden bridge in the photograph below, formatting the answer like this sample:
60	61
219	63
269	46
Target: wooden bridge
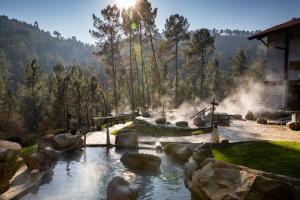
98	123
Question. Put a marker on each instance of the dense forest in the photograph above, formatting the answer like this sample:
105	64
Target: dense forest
45	77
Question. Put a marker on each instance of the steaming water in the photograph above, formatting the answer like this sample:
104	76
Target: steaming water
85	175
99	137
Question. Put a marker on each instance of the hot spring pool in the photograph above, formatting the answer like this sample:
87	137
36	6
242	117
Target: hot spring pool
86	174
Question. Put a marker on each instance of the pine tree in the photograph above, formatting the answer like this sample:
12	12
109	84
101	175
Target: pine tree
199	48
107	30
33	99
9	107
129	27
215	80
238	65
148	16
176	30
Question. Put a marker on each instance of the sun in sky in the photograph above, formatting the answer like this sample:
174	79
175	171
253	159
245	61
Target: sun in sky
125	3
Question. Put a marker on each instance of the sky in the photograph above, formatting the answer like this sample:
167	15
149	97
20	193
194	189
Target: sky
74	17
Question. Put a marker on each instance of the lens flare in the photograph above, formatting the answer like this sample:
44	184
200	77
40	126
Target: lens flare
125	3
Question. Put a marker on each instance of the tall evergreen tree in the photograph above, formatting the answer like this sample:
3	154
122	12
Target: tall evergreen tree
215	80
148	16
107	30
237	70
238	65
199	48
176	30
9	107
129	27
33	97
4	66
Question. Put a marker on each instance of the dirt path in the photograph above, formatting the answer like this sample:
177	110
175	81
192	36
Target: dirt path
250	130
238	131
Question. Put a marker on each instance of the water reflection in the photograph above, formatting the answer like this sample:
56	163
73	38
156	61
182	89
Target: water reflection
86	174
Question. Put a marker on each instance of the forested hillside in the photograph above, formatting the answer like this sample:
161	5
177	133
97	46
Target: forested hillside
21	42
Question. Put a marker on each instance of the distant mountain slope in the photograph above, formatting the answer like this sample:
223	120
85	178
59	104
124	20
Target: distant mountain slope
226	46
22	41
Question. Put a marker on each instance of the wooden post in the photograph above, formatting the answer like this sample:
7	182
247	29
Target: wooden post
214	103
84	138
107	136
93	124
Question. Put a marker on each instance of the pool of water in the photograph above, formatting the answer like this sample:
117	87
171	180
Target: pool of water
85	174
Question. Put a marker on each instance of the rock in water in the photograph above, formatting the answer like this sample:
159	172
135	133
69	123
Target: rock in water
237	117
158	147
179	151
261	121
120	189
199	122
127	139
182	124
46	141
250	116
9	152
42	160
67	141
293	125
139	161
161	120
146	114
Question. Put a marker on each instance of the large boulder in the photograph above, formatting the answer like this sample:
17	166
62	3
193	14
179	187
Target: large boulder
42	160
250	116
161	120
237	117
261	121
179	151
9	152
218	180
182	124
46	141
274	115
146	114
127	139
293	125
120	189
138	161
199	122
200	153
67	141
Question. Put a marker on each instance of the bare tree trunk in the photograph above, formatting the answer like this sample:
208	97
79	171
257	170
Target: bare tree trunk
125	74
131	76
156	65
138	80
142	62
176	74
104	102
34	107
114	72
202	74
87	112
78	106
148	88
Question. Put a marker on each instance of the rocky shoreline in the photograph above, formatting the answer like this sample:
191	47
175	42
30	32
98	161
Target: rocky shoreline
14	183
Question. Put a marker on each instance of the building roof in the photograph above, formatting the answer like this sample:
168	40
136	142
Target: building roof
280	27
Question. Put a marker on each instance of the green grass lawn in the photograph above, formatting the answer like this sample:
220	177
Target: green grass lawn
26	151
275	157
